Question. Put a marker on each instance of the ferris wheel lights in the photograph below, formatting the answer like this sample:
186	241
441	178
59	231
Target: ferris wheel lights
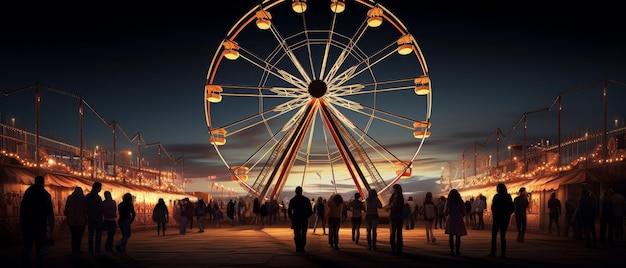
405	174
375	17
421	134
405	49
299	6
241	172
263	19
422	87
374	22
421	124
218	136
231	50
422	90
212	93
405	45
337	6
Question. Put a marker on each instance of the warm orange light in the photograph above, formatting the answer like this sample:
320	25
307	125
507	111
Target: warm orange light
337	6
421	134
231	50
375	17
405	45
299	6
263	19
422	90
218	136
212	93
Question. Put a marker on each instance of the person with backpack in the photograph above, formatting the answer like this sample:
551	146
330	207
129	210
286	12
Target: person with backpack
429	217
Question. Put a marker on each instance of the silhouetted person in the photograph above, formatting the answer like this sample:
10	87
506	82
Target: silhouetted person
200	214
395	206
357	208
430	213
127	216
160	215
36	217
619	209
455	228
335	214
320	214
570	220
95	217
110	217
606	217
521	206
76	215
299	212
554	208
501	209
372	204
586	212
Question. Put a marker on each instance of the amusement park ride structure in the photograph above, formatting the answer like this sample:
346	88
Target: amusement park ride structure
318	86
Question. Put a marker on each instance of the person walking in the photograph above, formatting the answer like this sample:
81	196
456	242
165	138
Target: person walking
230	212
455	227
430	213
372	204
200	214
521	206
320	212
299	212
606	217
186	213
586	212
410	223
160	215
110	216
357	208
256	211
36	218
619	209
501	209
554	208
335	211
570	220
480	206
127	216
395	206
439	204
95	218
76	215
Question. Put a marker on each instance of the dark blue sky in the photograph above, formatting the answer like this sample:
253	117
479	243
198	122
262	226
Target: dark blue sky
145	67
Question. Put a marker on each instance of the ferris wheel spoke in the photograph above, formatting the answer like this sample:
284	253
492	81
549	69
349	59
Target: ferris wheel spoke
262	117
375	113
282	43
348	50
366	64
269	67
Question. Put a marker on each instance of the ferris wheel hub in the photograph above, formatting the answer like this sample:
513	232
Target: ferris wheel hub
317	88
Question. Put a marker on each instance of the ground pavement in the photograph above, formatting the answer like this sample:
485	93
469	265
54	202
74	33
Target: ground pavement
273	246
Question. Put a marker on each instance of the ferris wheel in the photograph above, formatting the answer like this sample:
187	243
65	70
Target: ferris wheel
299	91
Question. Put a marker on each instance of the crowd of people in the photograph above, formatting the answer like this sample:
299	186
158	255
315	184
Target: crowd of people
94	216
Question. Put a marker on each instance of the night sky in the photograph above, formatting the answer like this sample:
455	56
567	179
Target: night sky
145	67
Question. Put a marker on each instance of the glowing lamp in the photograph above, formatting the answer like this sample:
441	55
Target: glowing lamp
422	90
241	172
231	50
263	19
405	45
374	22
218	136
421	134
421	124
404	173
405	49
299	6
337	6
213	93
375	17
